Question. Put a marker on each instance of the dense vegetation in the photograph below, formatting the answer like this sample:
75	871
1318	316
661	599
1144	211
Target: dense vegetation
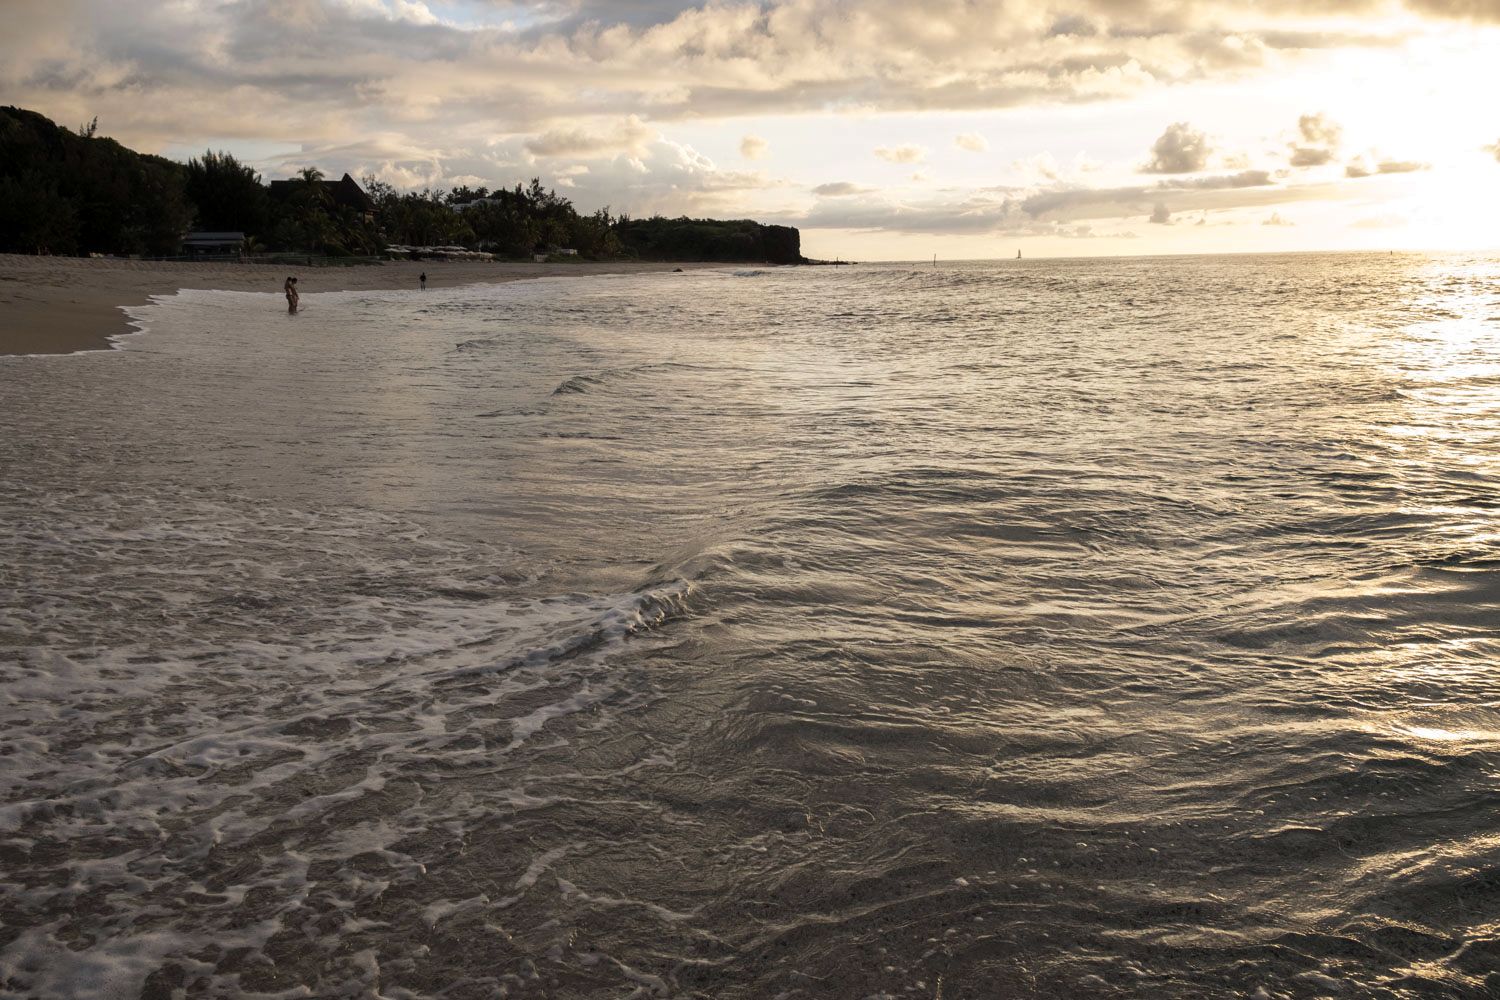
512	223
708	239
63	192
75	192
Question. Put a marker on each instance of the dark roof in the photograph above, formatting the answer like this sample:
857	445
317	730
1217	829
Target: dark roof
344	191
348	192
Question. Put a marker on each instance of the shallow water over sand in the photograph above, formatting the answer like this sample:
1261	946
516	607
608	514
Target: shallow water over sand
1035	628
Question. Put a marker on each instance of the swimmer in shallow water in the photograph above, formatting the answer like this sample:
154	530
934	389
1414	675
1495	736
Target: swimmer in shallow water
291	295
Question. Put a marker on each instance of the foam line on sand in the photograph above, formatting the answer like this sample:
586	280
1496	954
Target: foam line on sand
61	305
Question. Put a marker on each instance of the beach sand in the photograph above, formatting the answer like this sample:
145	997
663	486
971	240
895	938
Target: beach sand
58	305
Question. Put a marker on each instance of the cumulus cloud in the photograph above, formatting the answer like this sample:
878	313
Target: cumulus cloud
1084	165
1304	156
906	153
1161	215
667	177
1275	219
753	147
972	142
631	135
530	66
394	159
1041	167
427	92
1320	130
1317	142
1494	151
1181	149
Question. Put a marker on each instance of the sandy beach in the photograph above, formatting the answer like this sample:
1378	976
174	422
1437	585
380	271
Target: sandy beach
59	305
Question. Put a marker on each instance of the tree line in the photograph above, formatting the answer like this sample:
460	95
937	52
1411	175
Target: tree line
66	191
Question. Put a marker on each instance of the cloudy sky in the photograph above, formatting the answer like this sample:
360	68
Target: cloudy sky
892	129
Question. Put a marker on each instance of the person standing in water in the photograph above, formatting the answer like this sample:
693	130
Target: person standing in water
423	279
291	295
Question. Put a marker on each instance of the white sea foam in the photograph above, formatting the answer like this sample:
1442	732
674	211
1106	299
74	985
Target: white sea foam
187	684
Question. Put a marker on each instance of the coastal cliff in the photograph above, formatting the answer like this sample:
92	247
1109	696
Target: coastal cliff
735	241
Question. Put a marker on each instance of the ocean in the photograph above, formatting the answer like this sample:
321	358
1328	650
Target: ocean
1034	628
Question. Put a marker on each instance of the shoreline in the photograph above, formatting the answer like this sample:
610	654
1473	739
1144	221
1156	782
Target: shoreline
67	305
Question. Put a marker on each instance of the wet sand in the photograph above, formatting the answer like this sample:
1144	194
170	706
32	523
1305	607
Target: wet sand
59	305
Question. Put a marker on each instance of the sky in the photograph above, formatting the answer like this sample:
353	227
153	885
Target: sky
884	129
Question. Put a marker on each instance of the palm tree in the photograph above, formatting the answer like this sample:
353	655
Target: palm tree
311	203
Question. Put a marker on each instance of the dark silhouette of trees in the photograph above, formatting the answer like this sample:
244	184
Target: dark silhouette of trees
62	192
417	218
229	195
739	240
69	192
34	217
309	210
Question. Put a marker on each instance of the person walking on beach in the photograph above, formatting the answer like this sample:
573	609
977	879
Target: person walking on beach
291	295
423	279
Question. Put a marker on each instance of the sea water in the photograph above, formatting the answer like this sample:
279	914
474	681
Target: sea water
1030	628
